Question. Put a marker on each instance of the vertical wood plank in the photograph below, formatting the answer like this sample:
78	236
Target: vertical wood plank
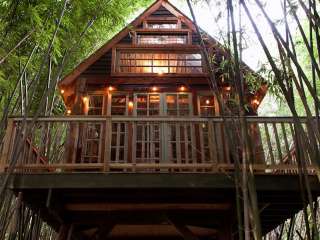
107	147
7	145
276	134
286	142
269	142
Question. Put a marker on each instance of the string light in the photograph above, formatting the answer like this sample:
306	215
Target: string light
182	88
228	88
255	101
85	99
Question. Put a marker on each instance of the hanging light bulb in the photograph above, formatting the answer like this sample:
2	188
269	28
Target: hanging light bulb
182	88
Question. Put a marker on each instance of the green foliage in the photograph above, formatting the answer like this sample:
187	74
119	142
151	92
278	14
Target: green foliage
40	18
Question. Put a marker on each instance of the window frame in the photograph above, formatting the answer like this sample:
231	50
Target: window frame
165	50
110	102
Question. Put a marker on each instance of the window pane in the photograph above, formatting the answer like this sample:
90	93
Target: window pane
160	63
161	39
162	25
118	104
95	105
206	104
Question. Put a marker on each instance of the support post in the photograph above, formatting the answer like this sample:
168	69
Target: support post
7	144
64	232
225	230
107	153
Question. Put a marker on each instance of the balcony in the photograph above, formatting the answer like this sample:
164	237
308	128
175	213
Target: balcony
146	145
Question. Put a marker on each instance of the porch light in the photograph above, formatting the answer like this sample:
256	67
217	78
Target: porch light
111	88
227	88
182	88
207	101
85	99
130	104
62	91
154	89
255	102
68	112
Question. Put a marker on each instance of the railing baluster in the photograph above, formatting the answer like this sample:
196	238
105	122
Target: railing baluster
269	143
286	142
212	141
276	134
107	145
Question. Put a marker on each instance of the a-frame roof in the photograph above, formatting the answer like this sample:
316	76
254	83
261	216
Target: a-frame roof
68	79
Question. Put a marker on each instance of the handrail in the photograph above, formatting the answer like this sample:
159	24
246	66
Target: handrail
74	118
119	143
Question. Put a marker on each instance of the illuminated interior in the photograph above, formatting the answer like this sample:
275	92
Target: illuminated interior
138	62
154	25
162	39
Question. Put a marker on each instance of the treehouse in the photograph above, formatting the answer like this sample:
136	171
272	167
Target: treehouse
142	151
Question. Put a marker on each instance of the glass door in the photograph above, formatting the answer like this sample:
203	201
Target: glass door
180	136
147	144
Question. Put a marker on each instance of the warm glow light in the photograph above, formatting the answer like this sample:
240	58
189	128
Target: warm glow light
160	73
110	88
227	88
130	104
255	102
85	99
62	91
207	101
182	88
69	112
154	89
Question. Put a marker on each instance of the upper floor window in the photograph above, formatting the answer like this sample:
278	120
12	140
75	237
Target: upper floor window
162	25
161	63
95	105
161	39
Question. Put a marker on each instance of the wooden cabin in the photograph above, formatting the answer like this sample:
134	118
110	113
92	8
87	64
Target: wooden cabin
142	150
152	71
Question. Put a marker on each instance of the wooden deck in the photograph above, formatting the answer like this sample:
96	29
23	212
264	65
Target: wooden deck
128	202
148	144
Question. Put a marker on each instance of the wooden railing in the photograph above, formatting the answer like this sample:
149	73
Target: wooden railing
147	144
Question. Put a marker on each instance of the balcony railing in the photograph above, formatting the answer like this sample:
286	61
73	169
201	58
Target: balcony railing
148	144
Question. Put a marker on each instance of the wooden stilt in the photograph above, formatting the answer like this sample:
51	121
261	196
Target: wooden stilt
64	232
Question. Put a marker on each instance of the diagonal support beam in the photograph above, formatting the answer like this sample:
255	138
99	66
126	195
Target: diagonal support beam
183	230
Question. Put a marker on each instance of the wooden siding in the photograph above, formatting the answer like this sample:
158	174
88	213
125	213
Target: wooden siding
162	12
101	67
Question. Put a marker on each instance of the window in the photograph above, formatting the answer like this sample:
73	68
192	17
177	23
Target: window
119	104
162	39
147	104
91	150
95	105
178	104
162	25
206	106
138	62
119	138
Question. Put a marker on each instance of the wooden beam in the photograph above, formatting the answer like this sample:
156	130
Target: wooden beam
7	145
144	206
183	230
